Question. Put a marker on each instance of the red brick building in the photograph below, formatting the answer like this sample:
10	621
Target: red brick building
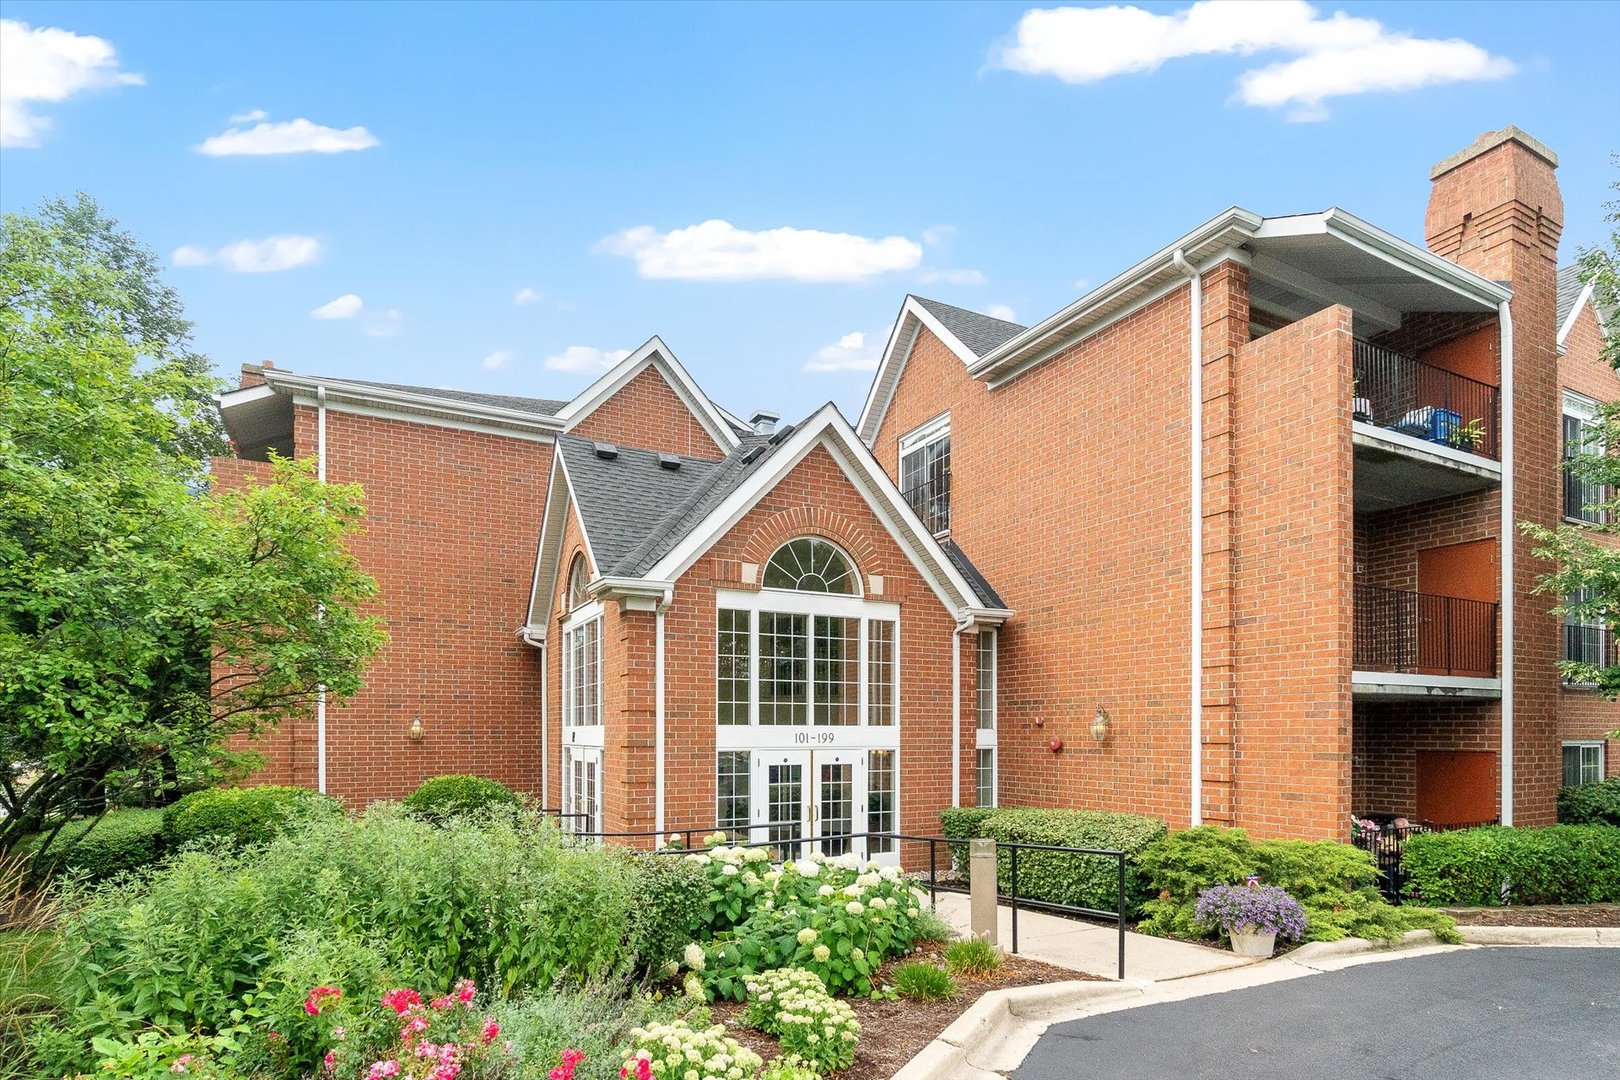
1246	567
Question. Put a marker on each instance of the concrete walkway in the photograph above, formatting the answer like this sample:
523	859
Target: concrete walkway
1092	948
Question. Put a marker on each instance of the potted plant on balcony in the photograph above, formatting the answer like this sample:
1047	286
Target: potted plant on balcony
1467	436
1252	916
1360	407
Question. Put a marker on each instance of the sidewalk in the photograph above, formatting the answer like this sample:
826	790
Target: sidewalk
1093	948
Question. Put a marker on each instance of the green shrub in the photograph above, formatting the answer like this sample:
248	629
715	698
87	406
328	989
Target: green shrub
444	797
1590	804
1090	881
972	956
931	927
962	823
1333	882
598	1020
242	815
1562	864
119	840
671	895
923	982
789	1068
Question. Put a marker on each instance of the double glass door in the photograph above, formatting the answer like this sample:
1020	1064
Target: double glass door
816	800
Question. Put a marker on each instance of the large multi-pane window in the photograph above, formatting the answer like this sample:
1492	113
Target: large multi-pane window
986	668
837	670
1587	640
1583	500
784	693
1583	763
880	673
732	786
733	651
582	674
880	785
925	473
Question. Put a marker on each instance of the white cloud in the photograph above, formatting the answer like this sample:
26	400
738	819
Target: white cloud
585	358
346	306
1336	56
935	275
852	352
526	296
284	137
719	251
1083	284
253	256
498	359
1001	311
935	235
250	117
389	324
47	65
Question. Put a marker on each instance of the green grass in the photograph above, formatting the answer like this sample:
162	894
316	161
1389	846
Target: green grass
923	982
973	956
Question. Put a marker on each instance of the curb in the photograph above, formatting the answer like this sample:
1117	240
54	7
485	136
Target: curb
994	1017
1328	950
1565	936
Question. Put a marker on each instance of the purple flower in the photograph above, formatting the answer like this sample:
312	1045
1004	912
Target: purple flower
1266	909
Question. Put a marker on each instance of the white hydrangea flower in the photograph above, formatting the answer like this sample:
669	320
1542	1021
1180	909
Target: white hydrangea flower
808	868
821	953
807	936
694	956
729	870
854	907
825	890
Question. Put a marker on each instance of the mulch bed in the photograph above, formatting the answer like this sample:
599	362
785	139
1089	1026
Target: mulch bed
1542	915
893	1032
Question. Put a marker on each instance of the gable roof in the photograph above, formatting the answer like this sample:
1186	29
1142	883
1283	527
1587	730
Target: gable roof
646	522
978	332
1573	295
653	353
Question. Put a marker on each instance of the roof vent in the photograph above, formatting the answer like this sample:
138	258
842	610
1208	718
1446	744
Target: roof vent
669	461
606	451
753	454
763	422
781	435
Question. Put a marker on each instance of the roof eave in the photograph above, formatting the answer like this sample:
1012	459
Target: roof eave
338	390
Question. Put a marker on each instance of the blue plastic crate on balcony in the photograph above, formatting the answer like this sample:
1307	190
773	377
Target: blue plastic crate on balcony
1435	425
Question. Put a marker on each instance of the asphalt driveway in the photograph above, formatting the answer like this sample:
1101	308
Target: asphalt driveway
1516	1013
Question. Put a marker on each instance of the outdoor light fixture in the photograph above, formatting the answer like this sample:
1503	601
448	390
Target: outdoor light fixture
1099	725
415	730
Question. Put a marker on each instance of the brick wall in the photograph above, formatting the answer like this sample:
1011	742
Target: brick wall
646	413
1389	736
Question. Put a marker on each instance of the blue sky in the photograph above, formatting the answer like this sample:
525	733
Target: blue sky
987	155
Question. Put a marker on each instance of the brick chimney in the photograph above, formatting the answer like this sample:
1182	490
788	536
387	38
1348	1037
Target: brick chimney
1495	209
253	374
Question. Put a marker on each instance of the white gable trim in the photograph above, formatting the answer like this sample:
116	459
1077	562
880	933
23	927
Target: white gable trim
1581	301
828	428
559	501
902	339
654	353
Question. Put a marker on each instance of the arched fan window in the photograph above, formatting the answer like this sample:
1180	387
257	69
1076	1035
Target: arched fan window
578	578
811	564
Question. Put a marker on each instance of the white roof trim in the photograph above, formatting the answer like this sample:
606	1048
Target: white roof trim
245	396
1581	301
653	353
902	339
403	403
559	500
828	428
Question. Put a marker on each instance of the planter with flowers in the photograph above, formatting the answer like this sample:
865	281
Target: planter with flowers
1253	916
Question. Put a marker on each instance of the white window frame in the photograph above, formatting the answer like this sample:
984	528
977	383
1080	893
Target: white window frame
920	438
985	738
1586	744
1577	406
754	735
591	757
582	734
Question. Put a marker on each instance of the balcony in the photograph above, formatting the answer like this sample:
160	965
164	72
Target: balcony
1592	645
1410	644
1420	432
931	500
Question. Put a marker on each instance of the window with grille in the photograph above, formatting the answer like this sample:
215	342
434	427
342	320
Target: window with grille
1583	763
582	674
925	473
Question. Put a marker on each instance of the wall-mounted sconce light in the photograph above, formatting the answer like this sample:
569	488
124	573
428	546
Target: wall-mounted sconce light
1040	722
415	729
1054	744
1099	725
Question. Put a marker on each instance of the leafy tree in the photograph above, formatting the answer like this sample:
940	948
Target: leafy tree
144	617
1586	574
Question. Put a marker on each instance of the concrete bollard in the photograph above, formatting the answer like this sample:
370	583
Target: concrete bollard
982	909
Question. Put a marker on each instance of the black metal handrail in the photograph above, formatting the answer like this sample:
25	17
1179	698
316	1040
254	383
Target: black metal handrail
1413	632
1400	393
1386	843
931	500
1591	645
664	845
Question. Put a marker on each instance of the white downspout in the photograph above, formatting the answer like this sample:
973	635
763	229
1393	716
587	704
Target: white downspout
320	691
956	717
1196	434
1509	532
658	720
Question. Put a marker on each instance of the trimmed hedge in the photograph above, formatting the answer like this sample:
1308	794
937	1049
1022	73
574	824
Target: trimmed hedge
1561	864
1055	877
1333	882
962	823
1590	804
243	815
443	797
120	840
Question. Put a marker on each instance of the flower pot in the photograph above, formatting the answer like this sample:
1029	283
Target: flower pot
1361	409
1249	942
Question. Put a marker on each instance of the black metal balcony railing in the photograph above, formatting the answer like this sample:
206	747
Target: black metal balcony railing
1583	500
932	502
1417	399
1419	633
1591	645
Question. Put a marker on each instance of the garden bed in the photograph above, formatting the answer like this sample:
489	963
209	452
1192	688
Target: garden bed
1576	915
895	1031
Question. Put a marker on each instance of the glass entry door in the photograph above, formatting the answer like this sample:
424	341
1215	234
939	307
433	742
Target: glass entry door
814	800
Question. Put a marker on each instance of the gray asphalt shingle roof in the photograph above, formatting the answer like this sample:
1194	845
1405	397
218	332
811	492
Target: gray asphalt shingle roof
537	406
1569	289
978	332
965	566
